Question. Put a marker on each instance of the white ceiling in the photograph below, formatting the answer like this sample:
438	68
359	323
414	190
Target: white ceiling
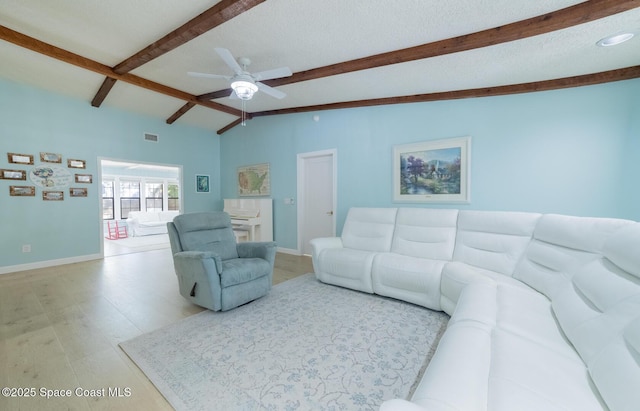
301	34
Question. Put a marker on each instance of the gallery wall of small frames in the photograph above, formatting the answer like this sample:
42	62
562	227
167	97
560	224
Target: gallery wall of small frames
47	171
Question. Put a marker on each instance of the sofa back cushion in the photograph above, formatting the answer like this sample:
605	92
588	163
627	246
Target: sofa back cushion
144	216
560	244
168	215
208	231
599	311
369	229
425	233
493	240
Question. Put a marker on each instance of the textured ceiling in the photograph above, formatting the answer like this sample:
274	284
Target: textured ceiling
303	35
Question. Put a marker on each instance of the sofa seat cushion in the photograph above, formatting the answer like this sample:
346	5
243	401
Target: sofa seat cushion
503	351
416	280
346	267
241	270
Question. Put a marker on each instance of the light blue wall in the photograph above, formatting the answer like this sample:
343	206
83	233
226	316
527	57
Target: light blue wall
560	151
34	121
569	151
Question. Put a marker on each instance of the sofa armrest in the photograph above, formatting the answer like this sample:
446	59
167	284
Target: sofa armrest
265	250
320	244
186	258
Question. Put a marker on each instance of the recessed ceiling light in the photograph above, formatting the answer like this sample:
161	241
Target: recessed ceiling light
615	39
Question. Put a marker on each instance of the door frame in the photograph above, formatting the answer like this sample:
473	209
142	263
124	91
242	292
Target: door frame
301	169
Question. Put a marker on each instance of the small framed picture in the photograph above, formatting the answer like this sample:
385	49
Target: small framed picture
76	163
202	184
51	158
77	192
84	178
22	191
13	174
15	158
53	195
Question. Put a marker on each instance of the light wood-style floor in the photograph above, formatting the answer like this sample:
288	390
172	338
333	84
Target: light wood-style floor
61	327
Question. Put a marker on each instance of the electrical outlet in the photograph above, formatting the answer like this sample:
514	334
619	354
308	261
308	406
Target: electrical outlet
26	248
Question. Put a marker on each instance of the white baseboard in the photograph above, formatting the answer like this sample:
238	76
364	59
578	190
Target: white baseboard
289	251
48	263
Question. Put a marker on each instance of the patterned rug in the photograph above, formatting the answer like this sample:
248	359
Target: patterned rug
304	346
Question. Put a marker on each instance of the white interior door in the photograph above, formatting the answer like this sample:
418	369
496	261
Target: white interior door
316	206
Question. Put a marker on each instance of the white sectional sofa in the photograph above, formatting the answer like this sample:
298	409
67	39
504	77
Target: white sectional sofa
545	309
149	222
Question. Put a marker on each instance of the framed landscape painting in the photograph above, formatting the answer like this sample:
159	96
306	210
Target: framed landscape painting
432	171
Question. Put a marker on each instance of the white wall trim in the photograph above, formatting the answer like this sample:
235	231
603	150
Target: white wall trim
49	263
289	251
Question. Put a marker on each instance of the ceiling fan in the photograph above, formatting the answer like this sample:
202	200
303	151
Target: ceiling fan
243	83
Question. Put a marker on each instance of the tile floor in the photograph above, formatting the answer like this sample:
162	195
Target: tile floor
60	329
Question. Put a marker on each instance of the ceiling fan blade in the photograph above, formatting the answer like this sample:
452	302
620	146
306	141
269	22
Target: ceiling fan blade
229	59
274	73
207	75
270	90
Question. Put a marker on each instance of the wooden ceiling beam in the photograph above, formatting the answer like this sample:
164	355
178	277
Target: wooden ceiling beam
556	84
557	20
223	11
57	53
546	23
105	88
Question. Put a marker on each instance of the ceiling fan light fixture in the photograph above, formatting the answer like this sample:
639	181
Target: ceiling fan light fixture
615	39
244	89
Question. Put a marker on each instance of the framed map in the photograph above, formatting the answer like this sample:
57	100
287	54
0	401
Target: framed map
254	180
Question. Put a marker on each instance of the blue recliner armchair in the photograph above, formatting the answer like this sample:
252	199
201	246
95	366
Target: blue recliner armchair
213	270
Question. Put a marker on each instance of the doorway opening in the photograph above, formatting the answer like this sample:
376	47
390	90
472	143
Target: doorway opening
317	197
136	198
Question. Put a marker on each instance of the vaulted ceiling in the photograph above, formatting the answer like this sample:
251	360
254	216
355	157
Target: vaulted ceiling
135	55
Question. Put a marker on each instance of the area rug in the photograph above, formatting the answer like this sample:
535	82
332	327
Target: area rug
304	346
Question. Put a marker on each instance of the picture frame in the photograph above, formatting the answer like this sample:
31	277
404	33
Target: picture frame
254	180
435	171
50	157
84	178
78	192
53	195
202	183
16	158
73	163
22	191
13	174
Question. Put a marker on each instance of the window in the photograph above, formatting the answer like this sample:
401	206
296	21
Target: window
153	197
129	197
108	212
173	199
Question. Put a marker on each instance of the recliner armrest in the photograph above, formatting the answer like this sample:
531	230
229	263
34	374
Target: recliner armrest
200	255
265	250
